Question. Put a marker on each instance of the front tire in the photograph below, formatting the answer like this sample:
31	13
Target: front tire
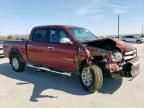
17	64
91	78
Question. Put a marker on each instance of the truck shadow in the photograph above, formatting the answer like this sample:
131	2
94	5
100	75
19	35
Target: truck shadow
47	80
110	85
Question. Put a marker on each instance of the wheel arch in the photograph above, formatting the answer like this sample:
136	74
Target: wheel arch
84	62
138	40
90	60
15	51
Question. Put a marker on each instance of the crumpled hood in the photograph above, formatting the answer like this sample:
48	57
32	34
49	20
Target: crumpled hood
111	44
124	46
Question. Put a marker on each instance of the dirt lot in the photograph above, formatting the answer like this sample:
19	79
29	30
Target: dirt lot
48	90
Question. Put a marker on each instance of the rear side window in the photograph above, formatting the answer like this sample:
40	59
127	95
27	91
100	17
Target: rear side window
40	35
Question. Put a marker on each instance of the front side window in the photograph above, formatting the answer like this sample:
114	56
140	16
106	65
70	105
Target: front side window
56	35
82	35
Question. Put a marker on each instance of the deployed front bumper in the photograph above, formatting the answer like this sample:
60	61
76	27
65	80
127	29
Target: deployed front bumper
134	66
130	68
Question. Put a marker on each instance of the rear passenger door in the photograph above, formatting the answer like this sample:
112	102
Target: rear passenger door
37	47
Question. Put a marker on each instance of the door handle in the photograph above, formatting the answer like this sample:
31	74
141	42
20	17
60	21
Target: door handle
29	45
50	47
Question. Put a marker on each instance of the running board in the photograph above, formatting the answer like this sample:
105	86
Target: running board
47	69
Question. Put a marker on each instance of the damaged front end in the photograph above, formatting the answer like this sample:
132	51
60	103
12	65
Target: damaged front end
131	67
116	58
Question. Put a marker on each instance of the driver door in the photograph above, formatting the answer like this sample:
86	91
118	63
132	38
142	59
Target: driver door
61	56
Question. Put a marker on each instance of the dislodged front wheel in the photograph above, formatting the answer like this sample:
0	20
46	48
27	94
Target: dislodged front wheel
91	78
86	76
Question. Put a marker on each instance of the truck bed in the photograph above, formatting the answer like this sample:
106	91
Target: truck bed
20	45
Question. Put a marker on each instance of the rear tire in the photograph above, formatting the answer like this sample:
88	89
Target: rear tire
17	64
91	78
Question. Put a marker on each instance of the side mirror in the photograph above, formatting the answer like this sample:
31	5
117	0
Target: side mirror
65	40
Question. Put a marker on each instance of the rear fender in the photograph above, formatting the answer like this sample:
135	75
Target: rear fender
15	51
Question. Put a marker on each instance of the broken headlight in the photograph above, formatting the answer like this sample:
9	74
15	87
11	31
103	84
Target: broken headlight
116	56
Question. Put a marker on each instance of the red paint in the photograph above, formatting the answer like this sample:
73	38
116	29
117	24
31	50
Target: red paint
63	57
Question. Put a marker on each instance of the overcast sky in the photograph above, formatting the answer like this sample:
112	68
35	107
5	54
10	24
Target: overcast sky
99	16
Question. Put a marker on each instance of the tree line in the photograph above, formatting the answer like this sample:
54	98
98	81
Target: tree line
14	37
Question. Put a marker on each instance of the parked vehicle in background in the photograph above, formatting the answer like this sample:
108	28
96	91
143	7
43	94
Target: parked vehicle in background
131	38
1	48
116	37
74	50
142	37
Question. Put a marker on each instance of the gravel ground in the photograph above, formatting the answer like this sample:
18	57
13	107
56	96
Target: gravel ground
32	89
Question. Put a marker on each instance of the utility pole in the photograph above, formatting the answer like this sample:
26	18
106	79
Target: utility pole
118	26
142	30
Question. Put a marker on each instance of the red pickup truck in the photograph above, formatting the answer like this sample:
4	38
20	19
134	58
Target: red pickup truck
74	49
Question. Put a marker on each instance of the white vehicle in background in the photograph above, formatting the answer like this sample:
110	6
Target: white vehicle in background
1	48
130	38
142	37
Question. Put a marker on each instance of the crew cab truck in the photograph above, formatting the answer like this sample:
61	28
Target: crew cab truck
74	49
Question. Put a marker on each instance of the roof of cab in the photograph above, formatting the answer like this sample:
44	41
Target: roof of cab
63	26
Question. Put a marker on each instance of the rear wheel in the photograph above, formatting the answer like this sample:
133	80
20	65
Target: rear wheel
17	64
91	78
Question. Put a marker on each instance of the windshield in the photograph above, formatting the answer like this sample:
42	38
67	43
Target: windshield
82	35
